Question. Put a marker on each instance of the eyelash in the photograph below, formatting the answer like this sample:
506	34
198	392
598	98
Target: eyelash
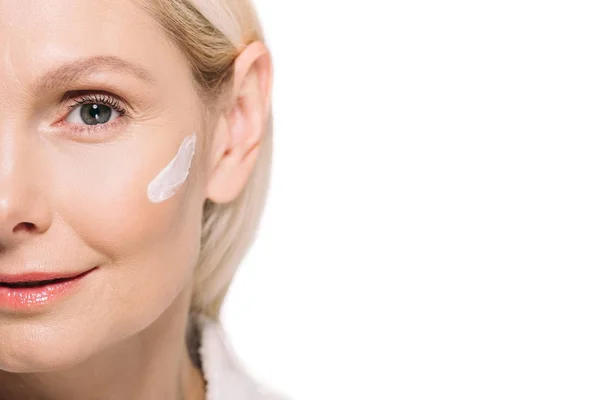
97	98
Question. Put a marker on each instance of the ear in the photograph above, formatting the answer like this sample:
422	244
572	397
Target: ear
240	129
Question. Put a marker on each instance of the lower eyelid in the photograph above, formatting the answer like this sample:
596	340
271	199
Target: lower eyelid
95	131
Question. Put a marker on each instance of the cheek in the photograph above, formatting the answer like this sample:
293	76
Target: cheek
112	212
148	251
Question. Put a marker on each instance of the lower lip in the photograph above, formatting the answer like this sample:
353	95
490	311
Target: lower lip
17	299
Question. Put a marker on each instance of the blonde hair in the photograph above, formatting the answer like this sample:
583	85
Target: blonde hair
211	33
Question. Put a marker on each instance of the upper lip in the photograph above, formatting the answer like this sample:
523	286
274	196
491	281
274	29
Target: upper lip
38	276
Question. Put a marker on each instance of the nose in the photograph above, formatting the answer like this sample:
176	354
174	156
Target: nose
24	211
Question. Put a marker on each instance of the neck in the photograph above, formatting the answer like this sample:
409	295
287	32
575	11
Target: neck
153	364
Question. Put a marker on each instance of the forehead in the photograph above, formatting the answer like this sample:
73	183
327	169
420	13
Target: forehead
36	36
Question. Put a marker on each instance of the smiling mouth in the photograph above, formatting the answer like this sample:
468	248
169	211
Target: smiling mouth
28	282
34	283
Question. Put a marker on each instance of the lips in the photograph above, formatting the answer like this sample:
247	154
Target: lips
35	292
35	279
32	283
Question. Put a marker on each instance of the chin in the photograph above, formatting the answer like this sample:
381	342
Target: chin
24	361
41	351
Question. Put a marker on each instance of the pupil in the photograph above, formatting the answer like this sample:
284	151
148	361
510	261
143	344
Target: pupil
93	114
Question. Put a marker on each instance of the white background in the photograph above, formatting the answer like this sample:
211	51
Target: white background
433	225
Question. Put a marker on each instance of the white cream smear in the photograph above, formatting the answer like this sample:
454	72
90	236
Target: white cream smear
175	173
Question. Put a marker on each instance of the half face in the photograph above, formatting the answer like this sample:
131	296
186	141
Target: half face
99	170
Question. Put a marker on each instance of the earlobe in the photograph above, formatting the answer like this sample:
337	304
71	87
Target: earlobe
230	177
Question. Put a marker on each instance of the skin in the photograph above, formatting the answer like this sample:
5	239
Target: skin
72	199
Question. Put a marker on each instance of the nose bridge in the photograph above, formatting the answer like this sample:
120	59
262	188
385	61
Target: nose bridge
23	205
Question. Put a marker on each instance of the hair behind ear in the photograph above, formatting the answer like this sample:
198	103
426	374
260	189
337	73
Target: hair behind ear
211	33
228	232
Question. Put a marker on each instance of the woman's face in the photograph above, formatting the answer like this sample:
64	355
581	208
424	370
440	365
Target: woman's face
94	103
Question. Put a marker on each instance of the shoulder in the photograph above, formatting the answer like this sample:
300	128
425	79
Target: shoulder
226	377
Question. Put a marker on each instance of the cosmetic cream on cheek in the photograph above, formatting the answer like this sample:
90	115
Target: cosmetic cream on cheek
175	173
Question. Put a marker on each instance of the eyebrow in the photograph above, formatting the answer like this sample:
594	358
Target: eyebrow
74	71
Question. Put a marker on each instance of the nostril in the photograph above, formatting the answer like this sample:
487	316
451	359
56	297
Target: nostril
26	226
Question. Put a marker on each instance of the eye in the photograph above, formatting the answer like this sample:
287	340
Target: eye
91	114
94	110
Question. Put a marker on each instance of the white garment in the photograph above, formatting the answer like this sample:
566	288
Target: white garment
226	378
